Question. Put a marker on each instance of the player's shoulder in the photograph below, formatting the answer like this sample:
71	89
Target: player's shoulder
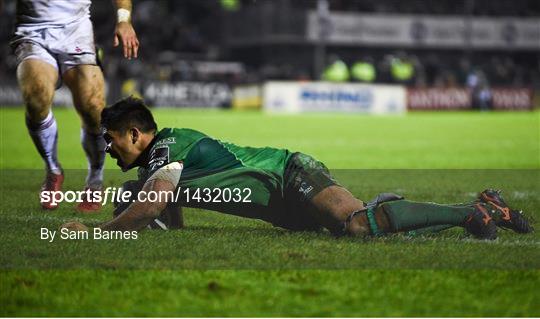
177	138
171	135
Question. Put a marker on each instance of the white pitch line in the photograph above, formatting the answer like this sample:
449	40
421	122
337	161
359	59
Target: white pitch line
527	194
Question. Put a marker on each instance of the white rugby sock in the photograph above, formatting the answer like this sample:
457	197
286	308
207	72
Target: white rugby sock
94	147
45	137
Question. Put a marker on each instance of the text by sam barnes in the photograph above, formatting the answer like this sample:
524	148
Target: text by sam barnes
95	234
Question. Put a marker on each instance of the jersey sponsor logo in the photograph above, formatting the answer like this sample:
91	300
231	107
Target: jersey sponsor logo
305	188
159	157
168	140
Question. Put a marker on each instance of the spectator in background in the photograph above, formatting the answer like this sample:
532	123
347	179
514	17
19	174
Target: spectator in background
364	70
480	90
130	87
337	71
230	5
402	69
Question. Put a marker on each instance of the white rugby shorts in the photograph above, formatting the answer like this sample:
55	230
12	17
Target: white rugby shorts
64	47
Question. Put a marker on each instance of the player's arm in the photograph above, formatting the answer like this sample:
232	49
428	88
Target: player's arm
140	213
124	32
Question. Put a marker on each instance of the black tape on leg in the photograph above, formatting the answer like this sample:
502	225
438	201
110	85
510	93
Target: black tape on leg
369	210
383	198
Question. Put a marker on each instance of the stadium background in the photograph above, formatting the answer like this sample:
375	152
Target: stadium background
199	59
195	53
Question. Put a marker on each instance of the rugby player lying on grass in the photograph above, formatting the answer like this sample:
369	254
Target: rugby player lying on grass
289	190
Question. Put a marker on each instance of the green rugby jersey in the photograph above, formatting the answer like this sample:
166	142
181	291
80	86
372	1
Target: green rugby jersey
255	176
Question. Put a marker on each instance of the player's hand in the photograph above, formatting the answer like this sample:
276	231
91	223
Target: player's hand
74	226
125	33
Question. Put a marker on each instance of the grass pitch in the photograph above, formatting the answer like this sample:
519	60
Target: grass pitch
226	266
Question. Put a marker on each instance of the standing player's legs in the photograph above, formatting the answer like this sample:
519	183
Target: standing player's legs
78	65
87	87
37	80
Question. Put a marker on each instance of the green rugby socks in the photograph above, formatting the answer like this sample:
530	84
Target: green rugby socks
404	215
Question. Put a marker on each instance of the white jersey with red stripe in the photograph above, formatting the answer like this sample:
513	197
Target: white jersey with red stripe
51	13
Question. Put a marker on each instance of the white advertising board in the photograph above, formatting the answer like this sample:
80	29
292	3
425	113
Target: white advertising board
296	97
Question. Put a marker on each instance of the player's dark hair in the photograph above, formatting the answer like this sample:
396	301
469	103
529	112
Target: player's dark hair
127	113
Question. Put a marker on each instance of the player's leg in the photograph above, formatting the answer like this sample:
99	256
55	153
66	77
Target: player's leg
405	215
37	80
336	209
387	215
78	65
87	87
480	217
311	189
329	204
331	208
436	228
